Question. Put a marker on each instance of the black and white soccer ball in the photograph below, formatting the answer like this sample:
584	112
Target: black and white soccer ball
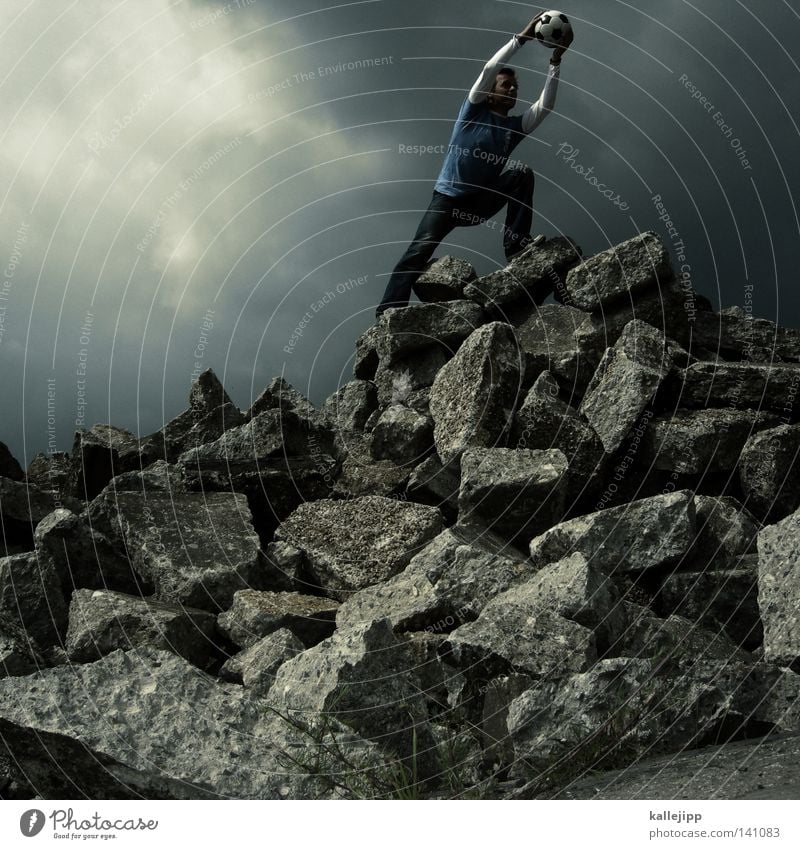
553	29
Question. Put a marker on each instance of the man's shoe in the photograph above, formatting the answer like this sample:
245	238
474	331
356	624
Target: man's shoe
535	242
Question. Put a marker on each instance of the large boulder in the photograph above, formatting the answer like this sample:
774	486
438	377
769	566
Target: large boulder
446	584
626	382
643	534
102	621
625	709
98	454
474	395
23	506
719	600
147	724
544	421
254	615
402	436
82	556
351	405
196	549
735	334
619	273
513	491
779	590
361	474
421	326
697	442
51	471
757	386
726	533
365	677
19	654
444	279
768	469
564	341
349	545
9	467
31	597
256	666
528	278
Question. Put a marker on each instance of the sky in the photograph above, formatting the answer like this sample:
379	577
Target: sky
188	184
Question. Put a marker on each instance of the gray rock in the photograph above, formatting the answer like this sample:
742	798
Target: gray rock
196	549
349	545
497	697
98	454
757	386
674	640
9	467
726	532
361	474
366	356
19	654
159	476
623	710
768	472
408	374
515	635
446	584
566	342
147	724
255	614
735	334
764	768
625	383
529	278
574	589
618	273
352	404
81	555
284	567
515	491
210	413
779	590
696	442
544	421
643	534
724	600
27	505
402	435
51	472
474	395
365	677
102	621
435	484
421	326
255	667
444	279
31	597
269	435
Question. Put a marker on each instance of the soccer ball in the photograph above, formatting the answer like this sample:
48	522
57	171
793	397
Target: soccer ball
552	29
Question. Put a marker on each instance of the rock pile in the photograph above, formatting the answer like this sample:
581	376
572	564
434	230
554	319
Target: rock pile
526	543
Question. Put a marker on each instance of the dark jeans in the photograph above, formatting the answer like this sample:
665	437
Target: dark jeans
445	213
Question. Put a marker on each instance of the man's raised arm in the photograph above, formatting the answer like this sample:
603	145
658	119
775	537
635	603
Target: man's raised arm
485	82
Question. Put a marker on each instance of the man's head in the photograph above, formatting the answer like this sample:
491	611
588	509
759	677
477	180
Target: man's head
503	96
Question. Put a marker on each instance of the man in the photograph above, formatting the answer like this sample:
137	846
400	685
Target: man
471	187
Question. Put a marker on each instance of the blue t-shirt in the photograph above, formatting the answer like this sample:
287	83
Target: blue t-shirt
479	149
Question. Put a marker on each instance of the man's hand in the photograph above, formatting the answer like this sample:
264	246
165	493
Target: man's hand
527	33
560	51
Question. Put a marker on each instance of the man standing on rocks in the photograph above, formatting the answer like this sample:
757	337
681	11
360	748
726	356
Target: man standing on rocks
471	188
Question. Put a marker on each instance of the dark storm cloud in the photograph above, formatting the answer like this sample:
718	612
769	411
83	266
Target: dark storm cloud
243	161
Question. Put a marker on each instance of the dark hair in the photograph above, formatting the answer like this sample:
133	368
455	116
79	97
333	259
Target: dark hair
507	71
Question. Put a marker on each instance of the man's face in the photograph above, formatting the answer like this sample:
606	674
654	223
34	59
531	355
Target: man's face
504	92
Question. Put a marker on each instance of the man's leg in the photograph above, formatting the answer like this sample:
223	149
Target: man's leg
513	188
436	223
518	185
